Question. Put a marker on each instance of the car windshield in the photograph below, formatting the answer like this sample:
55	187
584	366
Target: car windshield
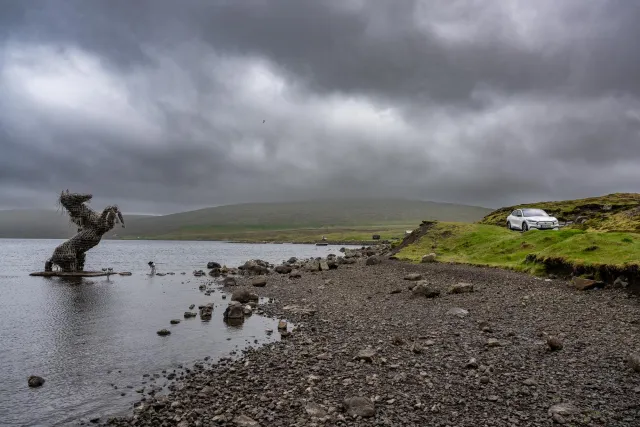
534	212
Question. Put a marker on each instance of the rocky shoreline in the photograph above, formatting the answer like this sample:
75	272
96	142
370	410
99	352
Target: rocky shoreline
383	342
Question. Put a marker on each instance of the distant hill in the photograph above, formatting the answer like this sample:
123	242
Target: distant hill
613	212
263	219
42	224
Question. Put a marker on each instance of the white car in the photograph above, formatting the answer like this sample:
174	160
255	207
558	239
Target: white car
526	219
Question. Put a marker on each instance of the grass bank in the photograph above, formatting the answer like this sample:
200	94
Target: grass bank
352	234
603	254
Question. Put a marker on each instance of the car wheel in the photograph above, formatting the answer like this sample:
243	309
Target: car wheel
508	225
525	227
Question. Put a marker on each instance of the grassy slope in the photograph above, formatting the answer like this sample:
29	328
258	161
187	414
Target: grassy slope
613	212
482	244
338	220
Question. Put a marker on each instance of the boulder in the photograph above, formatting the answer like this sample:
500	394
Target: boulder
35	381
554	343
212	264
206	311
359	407
583	284
255	267
283	269
295	274
243	296
461	288
373	260
312	265
324	266
332	263
428	258
259	282
423	288
292	260
234	311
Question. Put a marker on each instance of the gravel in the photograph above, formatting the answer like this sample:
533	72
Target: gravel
364	351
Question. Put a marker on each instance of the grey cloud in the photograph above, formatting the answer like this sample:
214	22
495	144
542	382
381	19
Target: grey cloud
159	105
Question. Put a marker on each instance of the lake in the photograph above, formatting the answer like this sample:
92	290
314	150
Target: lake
93	339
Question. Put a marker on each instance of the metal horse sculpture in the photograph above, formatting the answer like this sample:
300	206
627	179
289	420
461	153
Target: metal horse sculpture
70	255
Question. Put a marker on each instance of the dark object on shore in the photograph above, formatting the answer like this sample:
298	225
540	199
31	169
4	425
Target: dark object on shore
243	296
198	273
35	381
259	282
376	237
189	314
554	344
212	264
234	311
70	273
164	332
70	255
373	260
360	407
174	321
322	244
283	269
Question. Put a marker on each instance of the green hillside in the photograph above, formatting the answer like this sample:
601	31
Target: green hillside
338	220
613	212
43	224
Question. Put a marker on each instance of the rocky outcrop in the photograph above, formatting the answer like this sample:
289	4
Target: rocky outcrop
234	311
206	311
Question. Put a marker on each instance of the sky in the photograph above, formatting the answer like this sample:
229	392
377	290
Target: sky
163	106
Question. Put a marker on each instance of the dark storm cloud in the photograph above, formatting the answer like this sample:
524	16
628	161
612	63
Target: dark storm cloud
159	105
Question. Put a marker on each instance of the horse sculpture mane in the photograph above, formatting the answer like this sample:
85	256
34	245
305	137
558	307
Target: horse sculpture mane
70	255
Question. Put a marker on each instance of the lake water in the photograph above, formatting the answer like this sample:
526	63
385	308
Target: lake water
88	336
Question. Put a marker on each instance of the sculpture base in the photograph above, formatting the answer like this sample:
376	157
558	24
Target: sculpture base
72	273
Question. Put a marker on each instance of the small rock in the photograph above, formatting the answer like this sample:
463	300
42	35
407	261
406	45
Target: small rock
492	342
461	288
189	314
423	288
414	277
282	324
373	260
244	421
583	284
174	321
366	355
283	269
314	410
554	343
247	310
471	364
530	382
35	381
229	281
428	258
563	409
295	274
164	332
484	380
633	361
457	311
259	282
359	407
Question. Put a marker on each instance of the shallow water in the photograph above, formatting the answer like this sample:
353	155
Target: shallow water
88	336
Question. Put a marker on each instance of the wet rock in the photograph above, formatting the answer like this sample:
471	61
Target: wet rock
174	321
192	306
554	343
164	332
35	381
314	410
189	314
424	289
247	310
282	324
359	407
243	296
244	421
461	288
292	260
255	267
211	265
229	281
373	260
234	311
125	273
428	258
283	269
206	311
414	277
259	282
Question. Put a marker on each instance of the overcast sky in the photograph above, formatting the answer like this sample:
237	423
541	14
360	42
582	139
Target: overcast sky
163	105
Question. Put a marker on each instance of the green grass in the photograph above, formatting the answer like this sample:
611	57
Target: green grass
613	212
297	235
488	245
